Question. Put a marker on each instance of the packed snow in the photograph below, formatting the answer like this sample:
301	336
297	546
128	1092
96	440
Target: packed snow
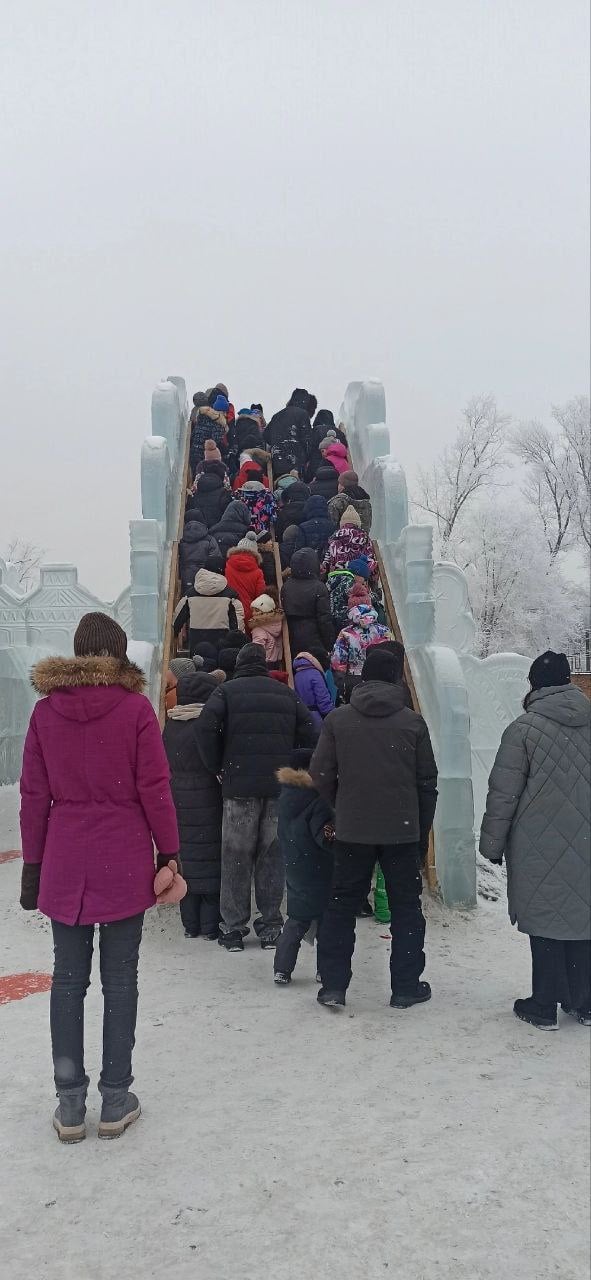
279	1139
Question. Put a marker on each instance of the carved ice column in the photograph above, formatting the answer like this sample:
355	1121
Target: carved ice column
147	610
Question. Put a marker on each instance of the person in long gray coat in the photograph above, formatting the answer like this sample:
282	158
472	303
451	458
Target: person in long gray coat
537	815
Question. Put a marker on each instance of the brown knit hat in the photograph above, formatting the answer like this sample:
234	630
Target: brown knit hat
99	636
348	478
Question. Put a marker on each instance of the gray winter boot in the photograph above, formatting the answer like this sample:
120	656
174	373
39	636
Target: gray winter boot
120	1108
68	1120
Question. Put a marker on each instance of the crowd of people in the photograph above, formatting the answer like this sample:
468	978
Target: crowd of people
256	784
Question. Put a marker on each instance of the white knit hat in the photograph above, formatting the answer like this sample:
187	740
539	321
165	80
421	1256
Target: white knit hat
264	604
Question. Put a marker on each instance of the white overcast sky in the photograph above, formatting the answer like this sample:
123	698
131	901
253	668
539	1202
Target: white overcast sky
274	193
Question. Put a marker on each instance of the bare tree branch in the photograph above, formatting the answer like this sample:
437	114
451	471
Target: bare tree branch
466	467
574	420
548	487
25	559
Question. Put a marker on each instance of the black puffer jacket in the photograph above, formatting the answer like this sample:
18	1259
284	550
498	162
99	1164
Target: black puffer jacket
306	604
196	792
316	527
326	481
308	856
292	506
198	550
249	729
233	525
293	424
211	497
374	763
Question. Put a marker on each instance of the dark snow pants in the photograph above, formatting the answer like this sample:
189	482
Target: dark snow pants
353	866
288	947
561	972
200	913
119	944
249	844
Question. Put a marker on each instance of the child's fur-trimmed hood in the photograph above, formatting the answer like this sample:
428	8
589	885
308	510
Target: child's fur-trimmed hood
294	777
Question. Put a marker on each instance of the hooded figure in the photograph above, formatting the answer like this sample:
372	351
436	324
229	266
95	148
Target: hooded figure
260	503
211	495
351	494
355	639
211	609
326	481
310	685
316	526
306	604
244	573
266	626
197	550
250	470
291	511
338	455
198	801
349	543
323	424
537	817
306	843
291	426
210	424
233	525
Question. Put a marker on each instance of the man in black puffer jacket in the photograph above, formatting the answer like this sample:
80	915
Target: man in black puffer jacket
211	496
291	510
292	424
246	732
374	763
306	604
197	798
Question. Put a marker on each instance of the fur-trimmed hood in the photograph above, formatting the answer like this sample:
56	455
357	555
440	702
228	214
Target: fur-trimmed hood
294	777
52	674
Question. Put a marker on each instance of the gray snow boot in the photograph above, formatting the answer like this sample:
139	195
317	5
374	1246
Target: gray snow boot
68	1120
120	1108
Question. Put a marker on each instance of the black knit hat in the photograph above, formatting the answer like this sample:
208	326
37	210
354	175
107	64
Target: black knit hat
97	635
381	664
195	688
549	669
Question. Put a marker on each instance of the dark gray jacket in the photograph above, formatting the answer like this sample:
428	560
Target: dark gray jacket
374	764
537	814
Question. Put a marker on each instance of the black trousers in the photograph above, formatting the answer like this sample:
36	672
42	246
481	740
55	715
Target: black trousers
288	946
353	866
200	912
119	944
561	973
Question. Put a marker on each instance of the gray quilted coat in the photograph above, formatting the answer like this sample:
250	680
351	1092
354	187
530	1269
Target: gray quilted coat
537	814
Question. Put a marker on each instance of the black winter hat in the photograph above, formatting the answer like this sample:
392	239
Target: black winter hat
233	640
381	664
195	688
252	655
300	757
97	635
549	669
208	652
227	661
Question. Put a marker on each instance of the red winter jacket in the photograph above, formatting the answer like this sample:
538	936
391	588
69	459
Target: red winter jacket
243	573
250	471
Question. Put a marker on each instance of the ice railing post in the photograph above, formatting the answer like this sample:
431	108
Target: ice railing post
407	556
152	538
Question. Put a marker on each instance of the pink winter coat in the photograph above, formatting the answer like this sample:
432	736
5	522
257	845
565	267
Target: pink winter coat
338	455
95	791
267	629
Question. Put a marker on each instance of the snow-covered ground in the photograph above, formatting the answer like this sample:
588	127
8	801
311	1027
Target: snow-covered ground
281	1140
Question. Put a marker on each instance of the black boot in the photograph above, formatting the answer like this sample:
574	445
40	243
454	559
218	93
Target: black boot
68	1120
232	941
405	999
120	1108
331	999
538	1015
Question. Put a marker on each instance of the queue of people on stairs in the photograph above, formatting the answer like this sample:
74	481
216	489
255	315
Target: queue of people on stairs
255	784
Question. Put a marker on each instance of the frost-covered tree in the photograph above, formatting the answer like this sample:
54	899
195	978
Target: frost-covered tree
557	477
574	420
25	559
520	599
465	468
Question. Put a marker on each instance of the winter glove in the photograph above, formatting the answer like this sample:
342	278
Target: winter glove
169	886
30	877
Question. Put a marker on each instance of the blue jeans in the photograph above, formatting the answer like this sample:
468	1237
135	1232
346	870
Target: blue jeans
119	944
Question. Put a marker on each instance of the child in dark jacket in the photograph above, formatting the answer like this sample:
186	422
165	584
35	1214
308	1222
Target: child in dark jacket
305	834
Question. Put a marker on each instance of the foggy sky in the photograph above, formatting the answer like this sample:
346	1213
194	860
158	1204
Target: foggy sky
277	193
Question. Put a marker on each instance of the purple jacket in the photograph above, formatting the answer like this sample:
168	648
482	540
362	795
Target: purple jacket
311	687
95	791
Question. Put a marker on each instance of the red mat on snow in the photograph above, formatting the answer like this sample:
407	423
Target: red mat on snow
16	986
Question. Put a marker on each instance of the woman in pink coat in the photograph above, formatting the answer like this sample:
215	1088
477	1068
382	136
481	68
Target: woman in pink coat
95	795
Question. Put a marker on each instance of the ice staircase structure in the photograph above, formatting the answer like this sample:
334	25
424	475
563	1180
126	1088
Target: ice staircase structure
466	701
